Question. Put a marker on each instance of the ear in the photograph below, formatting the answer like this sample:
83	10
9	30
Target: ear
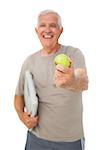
61	29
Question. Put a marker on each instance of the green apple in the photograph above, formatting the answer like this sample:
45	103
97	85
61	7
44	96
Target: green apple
63	60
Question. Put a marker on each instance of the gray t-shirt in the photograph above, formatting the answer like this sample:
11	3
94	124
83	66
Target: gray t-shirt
60	109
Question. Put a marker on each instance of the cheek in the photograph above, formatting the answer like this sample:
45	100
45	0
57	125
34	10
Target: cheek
39	32
57	34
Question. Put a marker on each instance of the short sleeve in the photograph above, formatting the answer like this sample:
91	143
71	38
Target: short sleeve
20	85
79	60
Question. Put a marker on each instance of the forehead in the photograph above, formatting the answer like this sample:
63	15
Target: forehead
48	18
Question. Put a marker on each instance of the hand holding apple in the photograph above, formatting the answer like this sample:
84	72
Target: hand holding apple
64	73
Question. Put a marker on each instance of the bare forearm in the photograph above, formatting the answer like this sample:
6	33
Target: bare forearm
19	104
79	84
25	117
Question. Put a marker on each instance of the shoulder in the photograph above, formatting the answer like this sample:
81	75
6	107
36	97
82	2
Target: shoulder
71	50
31	58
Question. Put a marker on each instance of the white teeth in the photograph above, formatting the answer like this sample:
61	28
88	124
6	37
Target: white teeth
47	36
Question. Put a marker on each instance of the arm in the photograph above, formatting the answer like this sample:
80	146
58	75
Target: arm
80	82
19	104
24	116
69	78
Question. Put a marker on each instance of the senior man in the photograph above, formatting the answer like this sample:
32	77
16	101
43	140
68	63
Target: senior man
58	124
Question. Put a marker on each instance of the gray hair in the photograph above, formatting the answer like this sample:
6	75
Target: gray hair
44	12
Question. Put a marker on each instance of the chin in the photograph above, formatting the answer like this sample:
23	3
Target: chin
47	45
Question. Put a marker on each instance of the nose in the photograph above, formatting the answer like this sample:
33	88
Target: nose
47	29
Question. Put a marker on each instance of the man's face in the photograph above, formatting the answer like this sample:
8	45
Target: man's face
48	30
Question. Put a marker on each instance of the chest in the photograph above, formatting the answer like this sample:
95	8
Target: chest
43	71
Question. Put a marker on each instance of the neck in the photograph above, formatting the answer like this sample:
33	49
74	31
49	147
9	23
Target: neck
49	51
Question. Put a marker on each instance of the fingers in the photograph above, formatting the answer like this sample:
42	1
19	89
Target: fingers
61	72
62	69
31	124
58	73
29	120
63	76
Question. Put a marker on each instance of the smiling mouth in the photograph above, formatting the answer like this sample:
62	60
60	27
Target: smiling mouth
47	36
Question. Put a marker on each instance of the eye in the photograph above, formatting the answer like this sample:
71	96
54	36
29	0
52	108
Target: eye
42	25
53	25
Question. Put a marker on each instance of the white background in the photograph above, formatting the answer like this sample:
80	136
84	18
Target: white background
81	22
